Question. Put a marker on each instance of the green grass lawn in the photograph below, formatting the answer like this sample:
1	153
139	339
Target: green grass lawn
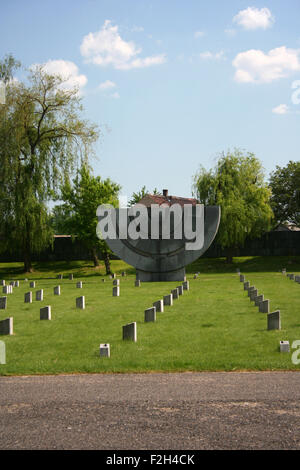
214	326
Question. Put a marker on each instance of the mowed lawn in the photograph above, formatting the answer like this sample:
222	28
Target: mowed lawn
213	326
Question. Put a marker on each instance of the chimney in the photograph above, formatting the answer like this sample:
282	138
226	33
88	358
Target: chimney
165	192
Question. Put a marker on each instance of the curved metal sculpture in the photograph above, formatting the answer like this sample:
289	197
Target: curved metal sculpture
161	259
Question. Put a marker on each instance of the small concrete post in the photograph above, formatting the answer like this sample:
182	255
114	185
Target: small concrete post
104	350
79	285
284	346
137	283
246	285
242	278
32	284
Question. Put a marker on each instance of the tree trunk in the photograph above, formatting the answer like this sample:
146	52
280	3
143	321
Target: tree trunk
27	251
107	262
27	261
95	257
229	255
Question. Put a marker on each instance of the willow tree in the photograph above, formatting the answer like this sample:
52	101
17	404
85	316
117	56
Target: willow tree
42	140
237	185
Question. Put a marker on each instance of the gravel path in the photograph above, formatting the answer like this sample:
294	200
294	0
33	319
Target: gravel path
227	410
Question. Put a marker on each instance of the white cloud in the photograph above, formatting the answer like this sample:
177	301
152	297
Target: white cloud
253	18
199	34
106	47
68	71
212	55
281	109
107	85
115	95
254	66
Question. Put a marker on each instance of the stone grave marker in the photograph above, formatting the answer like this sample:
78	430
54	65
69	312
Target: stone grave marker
28	297
123	274
180	290
80	302
56	290
258	299
137	283
32	284
168	299
251	288
264	306
71	277
116	291
3	303
273	320
60	276
16	284
175	293
116	282
159	305
2	282
6	326
150	314
39	295
242	278
45	313
253	294
79	285
284	346
130	332
104	350
186	285
246	285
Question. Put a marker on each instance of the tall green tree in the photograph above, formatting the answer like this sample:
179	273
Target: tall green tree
285	187
81	200
42	139
237	185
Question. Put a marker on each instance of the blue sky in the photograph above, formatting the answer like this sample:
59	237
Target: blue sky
171	83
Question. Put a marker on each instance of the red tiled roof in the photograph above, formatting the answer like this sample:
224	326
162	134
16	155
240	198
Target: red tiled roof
149	199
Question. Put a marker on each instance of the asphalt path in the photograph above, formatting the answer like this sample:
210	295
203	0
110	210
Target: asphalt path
203	411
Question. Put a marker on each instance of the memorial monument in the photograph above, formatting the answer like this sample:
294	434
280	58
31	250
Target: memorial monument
160	249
